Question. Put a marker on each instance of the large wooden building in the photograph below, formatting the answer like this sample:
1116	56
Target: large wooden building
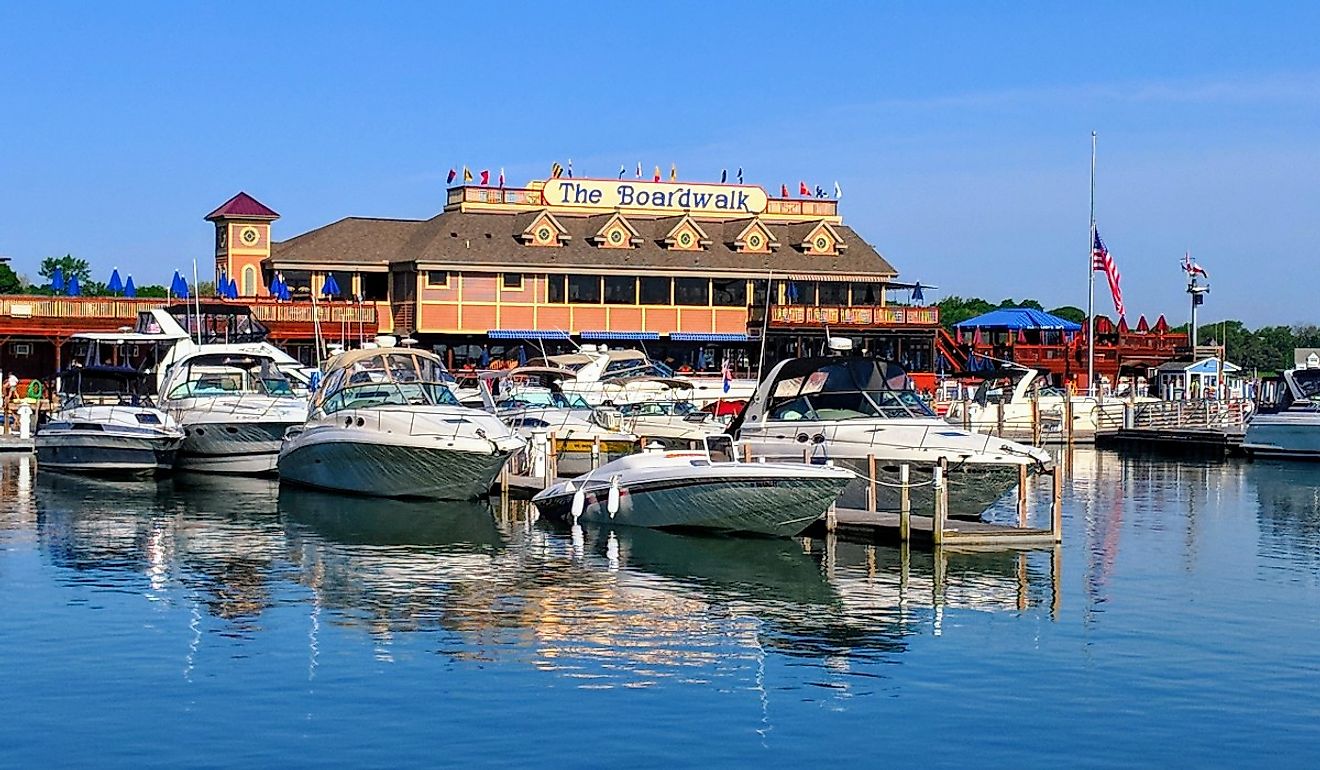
680	269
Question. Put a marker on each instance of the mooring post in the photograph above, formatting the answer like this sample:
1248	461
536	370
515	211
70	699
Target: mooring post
941	501
904	503
1056	505
1035	418
999	419
504	481
538	460
1022	495
831	513
595	453
1068	418
966	416
552	460
872	493
747	453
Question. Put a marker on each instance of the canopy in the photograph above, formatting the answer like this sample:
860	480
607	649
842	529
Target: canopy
1014	318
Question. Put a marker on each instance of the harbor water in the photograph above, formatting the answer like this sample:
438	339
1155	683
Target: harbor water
211	621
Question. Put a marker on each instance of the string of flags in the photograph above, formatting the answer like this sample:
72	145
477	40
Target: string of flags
559	171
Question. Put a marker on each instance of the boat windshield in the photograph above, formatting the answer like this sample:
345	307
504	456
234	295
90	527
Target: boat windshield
540	397
657	409
1305	388
227	375
385	379
851	389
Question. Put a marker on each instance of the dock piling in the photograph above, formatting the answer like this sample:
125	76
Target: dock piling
832	513
1056	504
941	495
872	492
1022	496
595	453
904	504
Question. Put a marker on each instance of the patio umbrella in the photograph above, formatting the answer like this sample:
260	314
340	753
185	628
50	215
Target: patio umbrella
274	289
57	280
701	359
522	356
116	284
221	285
1021	337
485	357
976	338
285	294
917	296
73	289
129	289
231	290
331	287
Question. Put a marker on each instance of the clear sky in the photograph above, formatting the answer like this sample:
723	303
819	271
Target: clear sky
959	132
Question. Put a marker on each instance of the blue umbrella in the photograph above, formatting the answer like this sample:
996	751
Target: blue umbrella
57	280
285	294
701	359
792	292
222	285
129	289
116	284
182	292
485	357
231	291
72	288
331	287
917	296
177	286
522	356
274	289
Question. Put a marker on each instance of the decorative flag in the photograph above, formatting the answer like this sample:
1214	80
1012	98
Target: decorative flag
726	372
622	170
452	176
1191	268
673	172
485	177
803	189
724	175
838	191
639	169
657	173
820	191
501	177
783	191
467	174
556	170
740	175
1100	260
570	168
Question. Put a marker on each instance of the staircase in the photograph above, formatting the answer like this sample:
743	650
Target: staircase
947	346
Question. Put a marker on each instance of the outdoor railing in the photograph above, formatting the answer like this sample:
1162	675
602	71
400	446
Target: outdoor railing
24	306
1205	413
853	315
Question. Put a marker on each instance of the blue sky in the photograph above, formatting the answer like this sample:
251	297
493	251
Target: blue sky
960	133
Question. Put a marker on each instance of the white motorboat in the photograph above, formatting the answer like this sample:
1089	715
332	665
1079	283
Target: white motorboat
384	423
848	410
532	398
599	370
668	415
1291	427
106	424
234	404
1012	398
707	490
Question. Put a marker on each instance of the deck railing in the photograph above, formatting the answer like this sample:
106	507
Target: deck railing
853	315
266	310
1229	414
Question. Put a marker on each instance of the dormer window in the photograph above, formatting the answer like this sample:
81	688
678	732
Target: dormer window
617	233
687	235
545	230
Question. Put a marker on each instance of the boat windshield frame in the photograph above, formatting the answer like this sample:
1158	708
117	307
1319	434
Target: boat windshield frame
259	375
840	390
387	378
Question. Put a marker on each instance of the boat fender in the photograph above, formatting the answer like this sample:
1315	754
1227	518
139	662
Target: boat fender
34	390
612	505
579	502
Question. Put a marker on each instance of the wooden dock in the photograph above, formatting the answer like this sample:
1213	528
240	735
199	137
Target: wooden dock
12	443
1215	442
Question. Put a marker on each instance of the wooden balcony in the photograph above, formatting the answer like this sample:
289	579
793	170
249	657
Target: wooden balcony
851	316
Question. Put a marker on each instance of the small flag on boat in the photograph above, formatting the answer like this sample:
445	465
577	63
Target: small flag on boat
501	177
726	372
1103	262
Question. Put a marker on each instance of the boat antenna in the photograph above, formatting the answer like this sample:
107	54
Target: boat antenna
1090	284
765	322
197	301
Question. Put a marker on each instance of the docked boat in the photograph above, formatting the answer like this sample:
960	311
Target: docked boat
106	424
851	409
385	423
668	415
705	490
234	405
599	371
1290	428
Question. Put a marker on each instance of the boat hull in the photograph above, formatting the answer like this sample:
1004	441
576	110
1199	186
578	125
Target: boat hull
391	470
1284	435
234	447
106	454
766	505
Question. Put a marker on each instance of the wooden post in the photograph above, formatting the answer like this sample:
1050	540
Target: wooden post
551	460
1056	504
999	418
504	481
872	492
747	453
1035	418
966	415
904	503
1068	418
940	489
1022	495
595	453
831	513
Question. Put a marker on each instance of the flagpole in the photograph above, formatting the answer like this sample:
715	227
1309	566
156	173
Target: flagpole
1090	285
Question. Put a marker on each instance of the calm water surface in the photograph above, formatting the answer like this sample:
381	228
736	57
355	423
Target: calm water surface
205	622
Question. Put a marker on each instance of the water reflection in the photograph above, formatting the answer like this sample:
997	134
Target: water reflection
1288	514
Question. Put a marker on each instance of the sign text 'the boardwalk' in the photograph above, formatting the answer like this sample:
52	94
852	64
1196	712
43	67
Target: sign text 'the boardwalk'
663	196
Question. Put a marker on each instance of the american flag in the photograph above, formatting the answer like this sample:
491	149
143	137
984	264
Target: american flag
1100	260
726	371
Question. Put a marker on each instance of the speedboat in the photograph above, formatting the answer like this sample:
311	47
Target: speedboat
851	409
1291	426
597	367
532	398
1011	398
234	404
106	424
385	423
705	489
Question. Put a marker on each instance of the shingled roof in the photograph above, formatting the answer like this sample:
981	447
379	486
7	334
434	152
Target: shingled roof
492	240
242	206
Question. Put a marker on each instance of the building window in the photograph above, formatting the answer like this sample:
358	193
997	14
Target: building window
249	281
730	293
375	286
866	293
620	290
437	279
691	291
833	293
298	281
656	291
555	290
584	289
513	281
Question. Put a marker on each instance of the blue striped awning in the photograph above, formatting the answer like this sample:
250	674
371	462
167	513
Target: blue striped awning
707	337
604	335
526	334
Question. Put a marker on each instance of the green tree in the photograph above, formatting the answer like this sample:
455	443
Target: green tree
1070	313
69	266
10	283
955	309
154	291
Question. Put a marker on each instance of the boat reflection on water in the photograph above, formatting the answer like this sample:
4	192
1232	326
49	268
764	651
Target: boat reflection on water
1288	513
421	524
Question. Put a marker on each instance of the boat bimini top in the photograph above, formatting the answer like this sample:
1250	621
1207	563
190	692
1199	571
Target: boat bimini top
381	377
834	388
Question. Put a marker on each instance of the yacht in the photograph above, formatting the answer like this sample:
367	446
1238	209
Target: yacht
106	424
599	369
698	489
847	409
1291	427
384	423
234	404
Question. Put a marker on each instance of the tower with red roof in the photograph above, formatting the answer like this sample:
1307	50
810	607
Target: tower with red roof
242	242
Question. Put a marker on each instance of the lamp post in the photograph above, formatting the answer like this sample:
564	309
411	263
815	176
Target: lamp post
1197	291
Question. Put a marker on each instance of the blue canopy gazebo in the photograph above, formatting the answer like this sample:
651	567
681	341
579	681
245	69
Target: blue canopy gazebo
1046	328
